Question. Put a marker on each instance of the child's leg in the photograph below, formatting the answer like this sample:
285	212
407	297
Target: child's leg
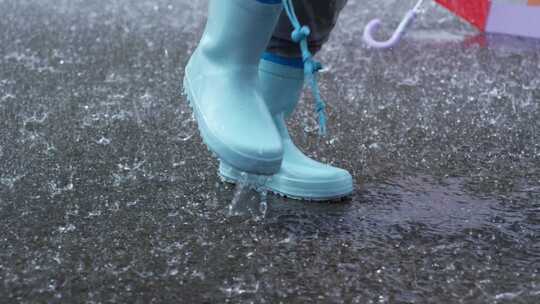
321	17
220	81
281	79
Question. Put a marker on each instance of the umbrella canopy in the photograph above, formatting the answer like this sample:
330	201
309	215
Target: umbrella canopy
513	17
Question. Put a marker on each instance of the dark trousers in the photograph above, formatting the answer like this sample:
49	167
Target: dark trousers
321	17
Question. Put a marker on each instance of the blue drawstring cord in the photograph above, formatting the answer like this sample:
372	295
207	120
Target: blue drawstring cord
311	67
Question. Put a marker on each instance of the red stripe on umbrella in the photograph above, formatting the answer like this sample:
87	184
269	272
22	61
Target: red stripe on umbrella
476	12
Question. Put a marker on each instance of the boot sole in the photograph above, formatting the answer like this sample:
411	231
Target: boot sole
228	175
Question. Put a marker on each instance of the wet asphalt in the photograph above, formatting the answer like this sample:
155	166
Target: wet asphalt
107	194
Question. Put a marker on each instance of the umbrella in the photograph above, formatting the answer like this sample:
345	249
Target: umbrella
513	17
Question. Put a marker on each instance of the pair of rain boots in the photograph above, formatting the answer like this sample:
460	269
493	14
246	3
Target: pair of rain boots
241	101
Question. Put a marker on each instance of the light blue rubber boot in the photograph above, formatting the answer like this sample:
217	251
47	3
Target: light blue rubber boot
221	84
281	83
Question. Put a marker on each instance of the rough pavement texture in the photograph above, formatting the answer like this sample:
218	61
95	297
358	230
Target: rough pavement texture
108	195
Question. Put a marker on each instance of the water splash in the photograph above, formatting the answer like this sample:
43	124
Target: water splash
104	141
250	196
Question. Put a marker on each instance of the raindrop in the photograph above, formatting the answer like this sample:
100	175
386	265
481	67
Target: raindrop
103	141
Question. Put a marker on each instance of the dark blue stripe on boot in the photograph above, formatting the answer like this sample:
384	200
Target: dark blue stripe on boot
269	1
294	62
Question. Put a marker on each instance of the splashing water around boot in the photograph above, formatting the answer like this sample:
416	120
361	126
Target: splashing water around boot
250	197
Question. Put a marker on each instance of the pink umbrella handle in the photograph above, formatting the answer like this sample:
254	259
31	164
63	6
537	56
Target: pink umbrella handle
372	26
